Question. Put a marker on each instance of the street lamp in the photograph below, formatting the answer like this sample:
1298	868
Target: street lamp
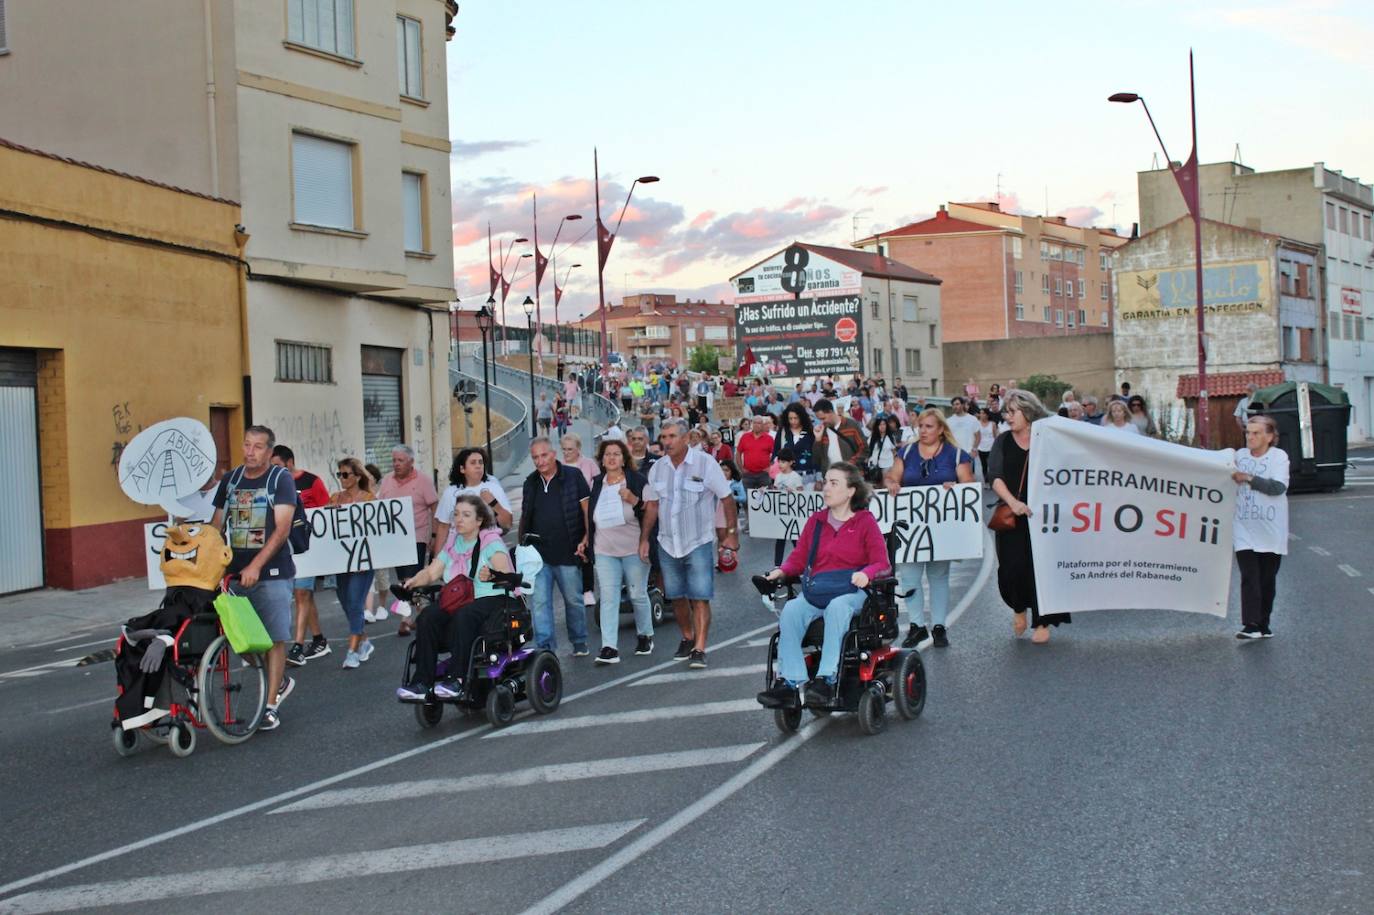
529	321
539	263
604	240
485	318
506	284
557	296
1186	175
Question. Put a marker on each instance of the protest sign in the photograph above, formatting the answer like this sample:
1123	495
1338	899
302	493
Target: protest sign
1128	522
343	538
728	409
166	462
932	522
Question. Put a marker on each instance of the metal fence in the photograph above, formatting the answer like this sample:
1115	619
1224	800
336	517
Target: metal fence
596	409
512	446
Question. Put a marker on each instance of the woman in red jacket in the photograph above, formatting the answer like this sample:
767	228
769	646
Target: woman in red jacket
841	550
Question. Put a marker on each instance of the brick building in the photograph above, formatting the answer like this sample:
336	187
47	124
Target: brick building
656	327
1007	275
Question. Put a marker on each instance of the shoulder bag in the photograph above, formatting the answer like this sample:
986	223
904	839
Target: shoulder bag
820	588
1003	518
459	591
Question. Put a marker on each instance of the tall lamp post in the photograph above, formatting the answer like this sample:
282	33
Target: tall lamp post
540	262
557	297
529	320
485	319
604	240
1186	175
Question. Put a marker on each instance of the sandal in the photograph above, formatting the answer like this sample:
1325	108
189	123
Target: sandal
405	629
1018	624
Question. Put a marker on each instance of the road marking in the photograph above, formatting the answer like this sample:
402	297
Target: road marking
103	700
755	643
538	775
1320	551
108	642
326	867
1371	590
80	634
40	669
1349	570
1293	536
753	670
637	716
311	788
597	874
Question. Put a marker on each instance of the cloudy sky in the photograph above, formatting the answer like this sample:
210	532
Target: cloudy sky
774	120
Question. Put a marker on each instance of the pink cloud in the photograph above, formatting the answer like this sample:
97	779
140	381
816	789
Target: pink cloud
1081	215
702	219
869	191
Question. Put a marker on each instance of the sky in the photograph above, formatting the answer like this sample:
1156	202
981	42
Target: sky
770	121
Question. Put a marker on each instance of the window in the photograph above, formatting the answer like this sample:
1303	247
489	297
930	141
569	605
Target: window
1333	325
1104	318
1020	286
1102	290
1056	253
1365	218
1288	343
1072	316
1059	317
657	332
409	57
877	358
1016	248
716	332
934	386
325	25
1348	325
1058	286
305	362
4	42
913	362
1102	260
1305	349
1048	317
690	334
875	307
1020	312
1082	289
322	176
413	204
934	342
1044	250
383	406
1045	283
1330	215
911	308
1345	221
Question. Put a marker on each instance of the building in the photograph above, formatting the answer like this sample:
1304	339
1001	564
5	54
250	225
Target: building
1315	205
1263	311
818	310
91	352
657	327
327	120
1009	276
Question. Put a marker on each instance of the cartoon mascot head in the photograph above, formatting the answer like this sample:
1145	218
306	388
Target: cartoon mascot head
194	556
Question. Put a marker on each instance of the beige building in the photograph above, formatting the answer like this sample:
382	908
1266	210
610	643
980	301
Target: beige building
654	327
327	120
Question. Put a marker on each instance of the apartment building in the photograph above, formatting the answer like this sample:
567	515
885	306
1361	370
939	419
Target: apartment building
1316	205
326	120
658	327
1007	275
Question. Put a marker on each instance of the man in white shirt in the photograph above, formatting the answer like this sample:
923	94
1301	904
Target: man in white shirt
683	491
964	426
1242	413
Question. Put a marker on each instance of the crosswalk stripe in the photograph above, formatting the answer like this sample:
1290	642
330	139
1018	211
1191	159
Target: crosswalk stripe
544	725
537	775
351	865
753	670
1349	570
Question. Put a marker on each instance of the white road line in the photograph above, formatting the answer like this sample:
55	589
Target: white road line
1292	536
312	787
66	638
1349	570
636	716
595	875
107	642
1320	551
755	643
538	775
39	669
103	700
315	870
753	670
1371	590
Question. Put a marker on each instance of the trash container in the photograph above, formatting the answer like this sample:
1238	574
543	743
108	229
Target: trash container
1312	420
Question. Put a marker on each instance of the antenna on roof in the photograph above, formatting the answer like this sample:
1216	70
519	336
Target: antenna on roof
1235	157
1154	162
998	199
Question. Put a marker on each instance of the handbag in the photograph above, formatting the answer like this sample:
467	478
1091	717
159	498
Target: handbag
460	590
820	588
241	623
1003	518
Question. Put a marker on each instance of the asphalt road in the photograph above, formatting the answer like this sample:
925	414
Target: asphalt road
1142	762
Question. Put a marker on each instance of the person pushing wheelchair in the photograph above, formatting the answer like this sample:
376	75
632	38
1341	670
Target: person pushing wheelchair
839	552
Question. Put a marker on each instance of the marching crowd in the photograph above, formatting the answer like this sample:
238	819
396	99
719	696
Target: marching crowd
661	504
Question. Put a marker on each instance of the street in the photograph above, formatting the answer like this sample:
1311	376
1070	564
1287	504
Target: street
1141	762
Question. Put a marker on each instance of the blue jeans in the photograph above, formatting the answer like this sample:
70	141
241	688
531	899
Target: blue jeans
351	588
937	573
610	572
569	579
797	614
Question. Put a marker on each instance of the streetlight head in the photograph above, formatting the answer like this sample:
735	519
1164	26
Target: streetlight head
1124	97
491	300
529	307
575	265
648	179
519	240
527	255
574	217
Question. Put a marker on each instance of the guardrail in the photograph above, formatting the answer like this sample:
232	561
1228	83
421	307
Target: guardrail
512	446
596	408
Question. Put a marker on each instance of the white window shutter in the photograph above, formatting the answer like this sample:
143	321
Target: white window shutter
401	53
414	84
4	41
411	189
323	180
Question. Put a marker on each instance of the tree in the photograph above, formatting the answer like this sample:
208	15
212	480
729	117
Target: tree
1048	388
705	358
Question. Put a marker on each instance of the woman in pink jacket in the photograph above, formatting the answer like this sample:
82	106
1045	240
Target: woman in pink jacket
841	550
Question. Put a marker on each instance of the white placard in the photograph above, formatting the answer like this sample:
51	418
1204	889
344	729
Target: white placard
933	522
343	538
609	510
166	462
1128	522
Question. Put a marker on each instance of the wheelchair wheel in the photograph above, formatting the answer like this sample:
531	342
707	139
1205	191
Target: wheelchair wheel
500	705
872	712
125	742
788	720
232	692
544	683
909	685
181	740
658	607
428	713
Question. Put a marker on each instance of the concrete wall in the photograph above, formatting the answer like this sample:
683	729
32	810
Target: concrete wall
1283	202
1083	361
117	352
890	330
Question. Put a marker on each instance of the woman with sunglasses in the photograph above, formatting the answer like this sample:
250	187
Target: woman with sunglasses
934	459
351	587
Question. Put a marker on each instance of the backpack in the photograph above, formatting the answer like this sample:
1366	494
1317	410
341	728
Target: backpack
299	537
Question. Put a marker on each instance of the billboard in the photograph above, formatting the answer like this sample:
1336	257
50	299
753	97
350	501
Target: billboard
1237	288
795	270
808	336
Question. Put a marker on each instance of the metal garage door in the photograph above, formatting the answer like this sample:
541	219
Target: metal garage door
383	416
21	536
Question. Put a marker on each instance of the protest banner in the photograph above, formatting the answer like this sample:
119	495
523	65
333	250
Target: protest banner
932	522
1128	522
728	409
343	538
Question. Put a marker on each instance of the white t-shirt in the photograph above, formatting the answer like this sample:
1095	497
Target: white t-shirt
1127	429
964	428
1262	521
989	436
444	513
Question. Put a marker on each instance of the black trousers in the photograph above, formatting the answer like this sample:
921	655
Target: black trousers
1258	572
437	631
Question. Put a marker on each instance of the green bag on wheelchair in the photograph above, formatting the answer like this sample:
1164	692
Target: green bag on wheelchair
241	624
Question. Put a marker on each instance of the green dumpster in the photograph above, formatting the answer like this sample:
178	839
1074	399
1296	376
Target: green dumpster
1312	420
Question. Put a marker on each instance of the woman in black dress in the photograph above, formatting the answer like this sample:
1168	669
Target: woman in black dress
1015	565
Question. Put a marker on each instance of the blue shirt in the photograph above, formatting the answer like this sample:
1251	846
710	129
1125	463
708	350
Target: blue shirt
932	471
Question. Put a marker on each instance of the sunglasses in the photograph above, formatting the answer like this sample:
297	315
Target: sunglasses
345	474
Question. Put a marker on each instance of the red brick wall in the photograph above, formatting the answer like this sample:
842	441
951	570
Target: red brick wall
976	288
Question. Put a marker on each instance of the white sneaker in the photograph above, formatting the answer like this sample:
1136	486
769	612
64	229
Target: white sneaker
351	661
365	650
588	598
369	616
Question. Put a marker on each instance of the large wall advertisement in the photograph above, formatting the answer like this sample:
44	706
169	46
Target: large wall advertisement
1227	289
801	314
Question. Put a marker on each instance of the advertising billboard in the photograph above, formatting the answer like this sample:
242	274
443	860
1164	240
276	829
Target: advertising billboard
1227	289
807	336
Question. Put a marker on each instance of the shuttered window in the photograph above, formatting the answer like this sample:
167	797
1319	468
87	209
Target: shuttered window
323	181
306	362
413	204
326	25
408	57
383	428
4	41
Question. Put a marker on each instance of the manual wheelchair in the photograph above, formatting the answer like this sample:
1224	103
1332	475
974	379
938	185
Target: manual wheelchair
872	672
504	667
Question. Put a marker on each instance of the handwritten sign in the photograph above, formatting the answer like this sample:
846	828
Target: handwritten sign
167	461
927	522
343	538
727	409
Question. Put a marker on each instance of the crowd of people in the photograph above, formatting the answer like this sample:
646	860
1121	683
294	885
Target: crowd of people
662	503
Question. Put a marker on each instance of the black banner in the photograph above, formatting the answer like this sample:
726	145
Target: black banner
797	337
